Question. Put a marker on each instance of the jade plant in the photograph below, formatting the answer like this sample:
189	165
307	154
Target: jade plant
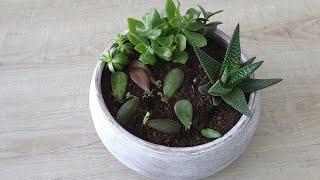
230	80
165	36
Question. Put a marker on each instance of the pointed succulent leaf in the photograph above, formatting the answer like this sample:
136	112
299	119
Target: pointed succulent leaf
119	81
141	78
233	54
195	26
164	53
193	13
170	9
184	112
133	24
166	41
172	82
210	65
127	111
181	41
204	12
151	19
180	57
226	75
210	14
205	88
210	133
218	90
195	39
175	22
255	84
243	73
165	125
237	100
136	38
249	61
147	58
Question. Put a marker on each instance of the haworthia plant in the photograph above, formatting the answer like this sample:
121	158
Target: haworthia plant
230	80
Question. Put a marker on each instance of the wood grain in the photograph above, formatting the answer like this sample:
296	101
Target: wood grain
48	50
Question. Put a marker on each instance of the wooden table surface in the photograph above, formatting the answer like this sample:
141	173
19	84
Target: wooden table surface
48	49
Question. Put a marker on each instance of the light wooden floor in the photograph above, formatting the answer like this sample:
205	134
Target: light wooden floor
48	49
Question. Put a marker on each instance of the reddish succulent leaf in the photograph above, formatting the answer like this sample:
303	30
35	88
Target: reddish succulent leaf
139	64
140	77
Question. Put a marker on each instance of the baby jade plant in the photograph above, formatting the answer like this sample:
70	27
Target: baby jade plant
230	80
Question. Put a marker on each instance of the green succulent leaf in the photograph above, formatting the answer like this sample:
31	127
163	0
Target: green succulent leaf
216	100
172	83
165	125
136	38
147	58
151	19
250	85
249	61
237	100
164	53
195	26
233	54
127	111
205	88
181	41
166	41
210	14
154	33
180	57
193	13
133	24
226	75
184	112
119	81
210	65
243	73
207	15
218	90
210	133
170	8
195	39
175	22
141	48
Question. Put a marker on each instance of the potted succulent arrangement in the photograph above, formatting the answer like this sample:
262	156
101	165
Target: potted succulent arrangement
173	97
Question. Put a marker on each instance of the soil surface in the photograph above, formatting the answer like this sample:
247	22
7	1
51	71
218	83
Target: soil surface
221	118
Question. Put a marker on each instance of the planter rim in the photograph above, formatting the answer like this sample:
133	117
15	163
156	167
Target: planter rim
181	151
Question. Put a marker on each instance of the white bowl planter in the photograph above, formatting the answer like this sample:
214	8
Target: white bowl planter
162	162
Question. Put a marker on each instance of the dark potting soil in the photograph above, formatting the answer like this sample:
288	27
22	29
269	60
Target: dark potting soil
221	118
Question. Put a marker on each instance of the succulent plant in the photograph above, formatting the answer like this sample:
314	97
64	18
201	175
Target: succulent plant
119	81
184	112
127	111
172	83
210	133
164	125
230	80
123	43
115	59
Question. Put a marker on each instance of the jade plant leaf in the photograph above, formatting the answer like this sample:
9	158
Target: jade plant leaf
164	53
147	58
141	48
127	111
181	42
133	24
184	112
119	81
154	33
233	54
243	73
218	90
172	83
164	125
237	100
180	57
195	26
210	133
195	39
255	84
210	65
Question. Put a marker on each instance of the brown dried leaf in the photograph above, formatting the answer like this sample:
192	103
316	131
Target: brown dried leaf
140	77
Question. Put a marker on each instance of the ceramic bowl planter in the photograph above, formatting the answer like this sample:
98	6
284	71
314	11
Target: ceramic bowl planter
162	162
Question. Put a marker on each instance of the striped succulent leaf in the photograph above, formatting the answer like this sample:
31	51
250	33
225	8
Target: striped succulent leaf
210	65
218	90
237	100
255	84
205	88
249	61
233	54
243	73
